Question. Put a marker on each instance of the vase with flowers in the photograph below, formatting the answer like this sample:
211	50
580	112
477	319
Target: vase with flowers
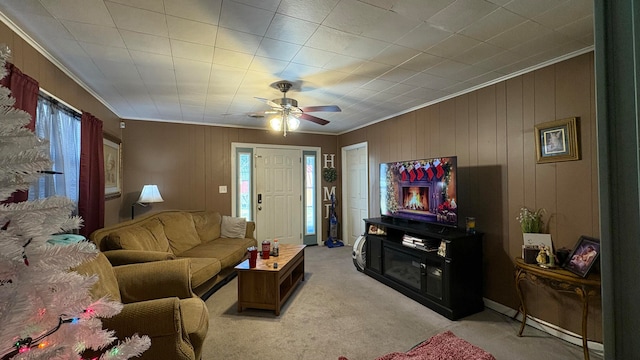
532	225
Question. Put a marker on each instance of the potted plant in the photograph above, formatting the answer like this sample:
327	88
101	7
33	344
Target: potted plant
532	225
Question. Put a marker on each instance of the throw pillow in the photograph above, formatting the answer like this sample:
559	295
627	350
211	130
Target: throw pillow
233	227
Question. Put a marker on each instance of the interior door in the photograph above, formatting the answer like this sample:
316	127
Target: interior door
279	195
356	192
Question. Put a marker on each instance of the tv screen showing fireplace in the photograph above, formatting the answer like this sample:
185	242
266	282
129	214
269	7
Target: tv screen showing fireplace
421	190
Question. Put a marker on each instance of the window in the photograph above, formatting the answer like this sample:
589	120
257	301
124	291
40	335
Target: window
60	125
309	193
244	201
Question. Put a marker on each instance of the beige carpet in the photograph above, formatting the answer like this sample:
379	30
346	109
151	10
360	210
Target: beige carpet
338	311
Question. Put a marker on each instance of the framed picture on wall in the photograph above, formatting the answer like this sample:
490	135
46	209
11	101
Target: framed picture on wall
557	141
583	257
112	149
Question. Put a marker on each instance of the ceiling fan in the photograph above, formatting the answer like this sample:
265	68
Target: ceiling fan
288	112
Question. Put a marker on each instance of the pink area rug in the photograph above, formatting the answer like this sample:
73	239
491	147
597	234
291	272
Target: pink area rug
444	346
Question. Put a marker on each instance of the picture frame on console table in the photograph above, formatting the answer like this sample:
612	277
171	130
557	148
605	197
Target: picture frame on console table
583	257
112	150
557	141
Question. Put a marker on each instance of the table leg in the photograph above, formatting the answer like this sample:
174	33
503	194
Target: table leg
584	295
523	309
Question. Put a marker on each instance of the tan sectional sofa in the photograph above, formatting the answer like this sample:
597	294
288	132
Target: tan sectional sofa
174	234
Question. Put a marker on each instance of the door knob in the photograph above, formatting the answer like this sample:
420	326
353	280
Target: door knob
259	207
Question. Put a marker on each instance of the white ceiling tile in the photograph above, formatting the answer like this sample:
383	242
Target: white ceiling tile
373	69
423	37
395	54
493	24
579	29
343	63
461	14
48	28
187	50
420	9
279	50
191	31
206	11
531	9
426	80
152	5
237	41
245	18
447	68
23	8
478	53
398	75
116	70
268	65
147	43
422	62
138	20
290	29
232	58
565	13
309	10
298	71
540	44
515	36
87	11
101	35
313	57
353	17
109	53
453	46
367	56
145	59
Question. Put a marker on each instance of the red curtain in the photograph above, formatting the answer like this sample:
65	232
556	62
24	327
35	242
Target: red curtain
25	90
91	197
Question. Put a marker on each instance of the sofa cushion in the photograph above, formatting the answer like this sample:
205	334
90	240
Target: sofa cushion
157	230
134	238
180	231
207	225
229	254
233	227
203	270
107	284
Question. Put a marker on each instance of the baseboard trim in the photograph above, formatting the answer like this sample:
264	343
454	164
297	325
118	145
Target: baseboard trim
542	325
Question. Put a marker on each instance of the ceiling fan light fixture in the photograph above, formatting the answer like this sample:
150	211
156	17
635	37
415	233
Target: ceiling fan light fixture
276	123
292	123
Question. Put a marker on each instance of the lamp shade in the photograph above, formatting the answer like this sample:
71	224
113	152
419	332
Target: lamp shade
150	194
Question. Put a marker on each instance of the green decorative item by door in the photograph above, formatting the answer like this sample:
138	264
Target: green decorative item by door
329	174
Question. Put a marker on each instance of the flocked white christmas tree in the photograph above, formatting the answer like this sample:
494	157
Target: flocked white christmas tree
46	310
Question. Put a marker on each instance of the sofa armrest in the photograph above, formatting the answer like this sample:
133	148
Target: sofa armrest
155	318
124	257
251	226
154	280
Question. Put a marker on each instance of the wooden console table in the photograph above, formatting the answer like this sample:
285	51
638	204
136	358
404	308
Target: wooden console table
560	280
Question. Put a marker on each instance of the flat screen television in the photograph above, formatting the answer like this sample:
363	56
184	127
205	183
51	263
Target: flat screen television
422	190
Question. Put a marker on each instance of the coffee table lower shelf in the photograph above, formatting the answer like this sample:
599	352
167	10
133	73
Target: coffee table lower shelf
267	288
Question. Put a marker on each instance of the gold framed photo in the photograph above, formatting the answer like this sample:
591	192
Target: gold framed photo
112	149
557	141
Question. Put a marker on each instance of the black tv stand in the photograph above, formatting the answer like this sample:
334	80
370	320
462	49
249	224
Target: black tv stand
440	267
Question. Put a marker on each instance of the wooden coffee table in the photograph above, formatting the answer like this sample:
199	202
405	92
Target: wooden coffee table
266	287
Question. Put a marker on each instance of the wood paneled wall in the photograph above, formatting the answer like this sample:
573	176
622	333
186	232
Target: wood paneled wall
190	162
491	131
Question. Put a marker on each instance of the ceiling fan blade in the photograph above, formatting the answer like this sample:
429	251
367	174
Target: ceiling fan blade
327	108
314	119
269	102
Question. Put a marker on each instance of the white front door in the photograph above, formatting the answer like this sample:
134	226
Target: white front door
356	191
279	195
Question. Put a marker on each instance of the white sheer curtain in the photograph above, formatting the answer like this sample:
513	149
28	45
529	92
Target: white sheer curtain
61	126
